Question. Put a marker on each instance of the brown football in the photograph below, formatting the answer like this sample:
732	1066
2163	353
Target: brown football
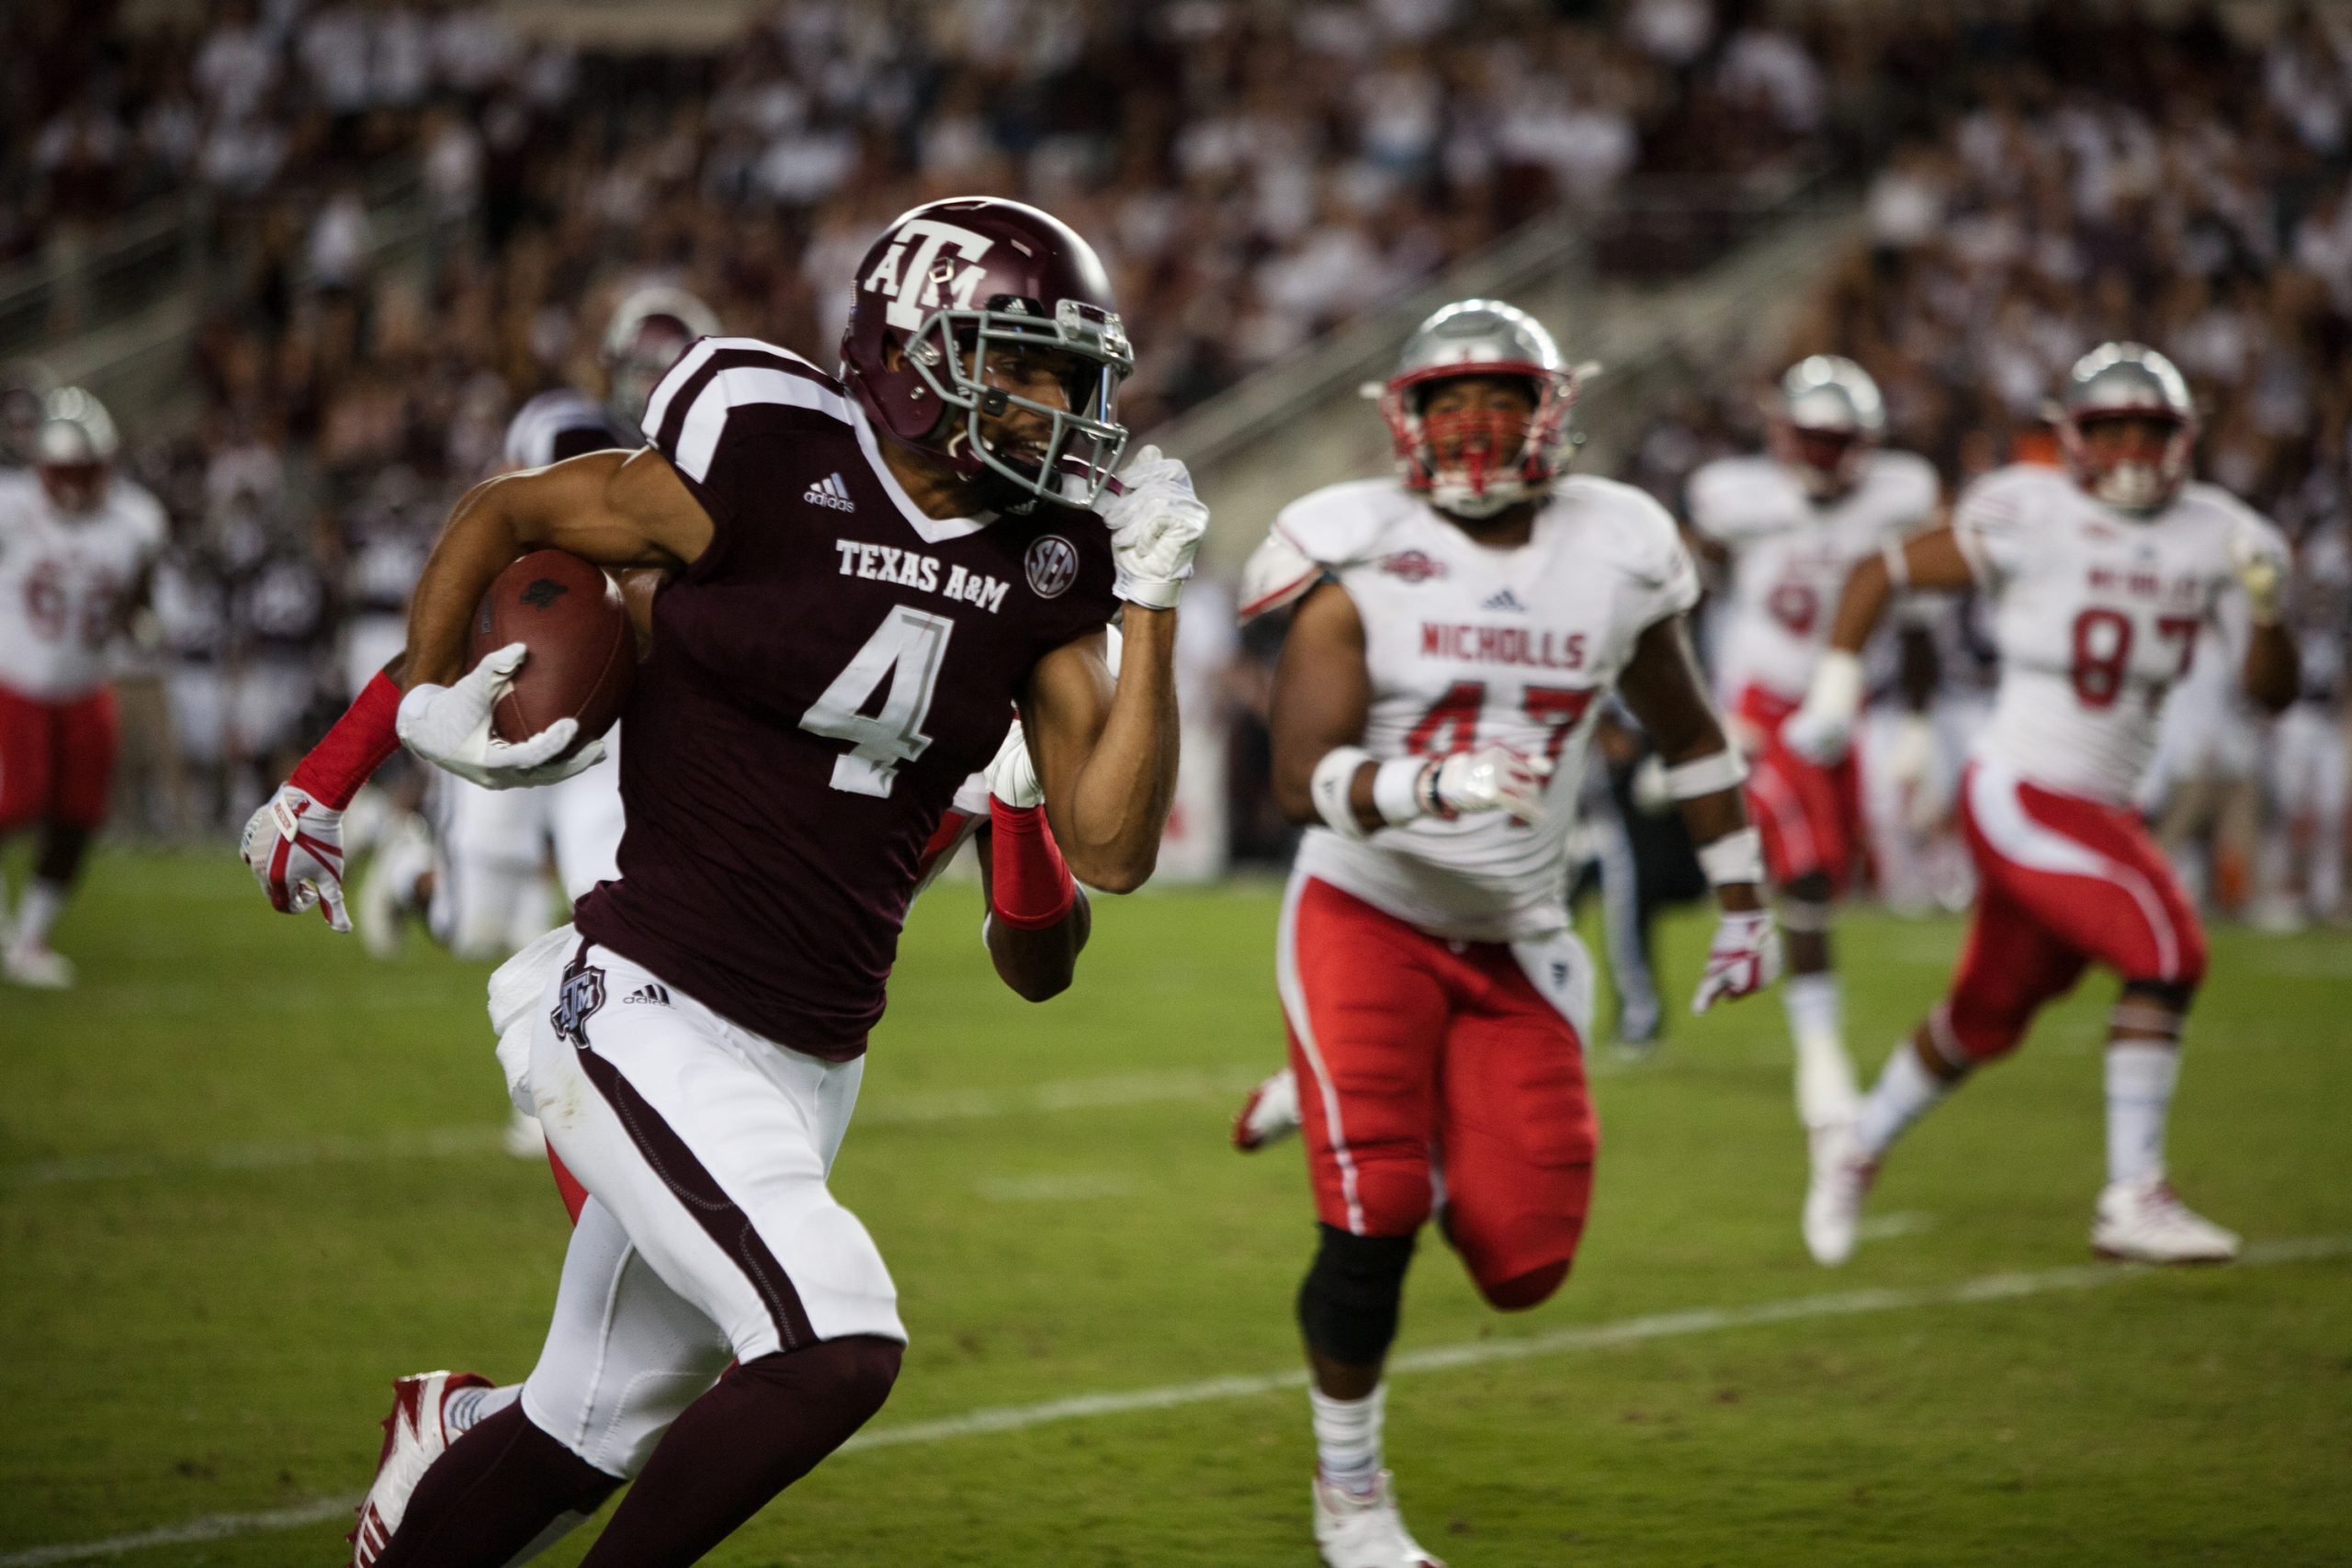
583	652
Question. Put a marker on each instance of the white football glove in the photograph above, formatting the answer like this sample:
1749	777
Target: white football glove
294	848
449	727
1492	778
1156	524
1822	729
1011	775
1743	960
1910	765
2260	572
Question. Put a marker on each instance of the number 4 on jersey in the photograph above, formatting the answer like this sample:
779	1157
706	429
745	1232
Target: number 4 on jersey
908	649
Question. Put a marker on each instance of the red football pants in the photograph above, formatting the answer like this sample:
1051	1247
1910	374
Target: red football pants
56	760
1423	1062
2062	881
1810	816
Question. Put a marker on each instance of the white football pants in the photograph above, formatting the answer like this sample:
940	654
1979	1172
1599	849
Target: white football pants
714	1233
488	897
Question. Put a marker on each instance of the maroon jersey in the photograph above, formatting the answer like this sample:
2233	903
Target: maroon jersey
821	680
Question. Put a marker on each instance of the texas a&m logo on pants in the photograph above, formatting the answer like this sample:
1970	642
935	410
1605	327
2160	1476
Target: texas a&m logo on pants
583	994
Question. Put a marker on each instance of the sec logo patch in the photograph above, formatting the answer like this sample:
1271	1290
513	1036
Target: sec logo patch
1053	566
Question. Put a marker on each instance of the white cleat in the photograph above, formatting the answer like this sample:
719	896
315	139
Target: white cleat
2145	1222
1367	1531
1269	1115
1833	1198
37	965
413	1438
524	1138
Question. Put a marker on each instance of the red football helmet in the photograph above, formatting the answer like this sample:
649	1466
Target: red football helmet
952	279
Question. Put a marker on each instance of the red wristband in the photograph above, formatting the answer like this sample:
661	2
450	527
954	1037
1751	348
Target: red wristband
354	748
1030	888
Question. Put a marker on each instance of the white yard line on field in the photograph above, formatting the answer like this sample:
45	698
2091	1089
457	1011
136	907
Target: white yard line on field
448	1143
216	1527
1446	1358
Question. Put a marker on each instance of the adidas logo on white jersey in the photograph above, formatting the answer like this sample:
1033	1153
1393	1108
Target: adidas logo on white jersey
1506	600
830	492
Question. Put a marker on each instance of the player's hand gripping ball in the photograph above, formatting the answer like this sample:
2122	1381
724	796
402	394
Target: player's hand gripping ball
554	659
294	847
1156	524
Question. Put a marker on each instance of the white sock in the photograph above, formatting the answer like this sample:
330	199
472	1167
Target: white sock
469	1407
38	910
2140	1078
1903	1093
1817	1009
1347	1438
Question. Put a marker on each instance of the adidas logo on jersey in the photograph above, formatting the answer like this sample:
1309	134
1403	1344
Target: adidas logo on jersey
830	492
1506	600
657	994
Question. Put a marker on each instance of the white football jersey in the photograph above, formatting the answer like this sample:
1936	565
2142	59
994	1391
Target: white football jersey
1790	556
2097	612
62	581
1467	645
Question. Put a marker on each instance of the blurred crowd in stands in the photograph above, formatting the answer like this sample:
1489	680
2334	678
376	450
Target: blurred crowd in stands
1253	174
2037	177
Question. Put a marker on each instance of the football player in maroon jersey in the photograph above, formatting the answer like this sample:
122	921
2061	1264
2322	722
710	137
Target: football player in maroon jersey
868	572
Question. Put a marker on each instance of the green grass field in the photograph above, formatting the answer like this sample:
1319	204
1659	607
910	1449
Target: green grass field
247	1176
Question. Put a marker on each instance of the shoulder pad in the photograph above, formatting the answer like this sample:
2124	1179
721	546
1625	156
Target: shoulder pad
1320	533
1913	484
717	375
1277	573
1731	496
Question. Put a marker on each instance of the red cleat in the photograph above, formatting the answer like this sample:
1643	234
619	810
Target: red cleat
414	1436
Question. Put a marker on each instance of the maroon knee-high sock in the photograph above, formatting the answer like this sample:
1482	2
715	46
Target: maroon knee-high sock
491	1495
762	1428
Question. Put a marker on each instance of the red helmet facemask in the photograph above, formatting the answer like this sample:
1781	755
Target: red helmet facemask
1475	462
2133	482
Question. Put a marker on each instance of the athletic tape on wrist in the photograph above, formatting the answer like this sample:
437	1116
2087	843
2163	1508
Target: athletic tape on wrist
1837	687
1332	785
1396	792
1711	774
1898	565
1735	858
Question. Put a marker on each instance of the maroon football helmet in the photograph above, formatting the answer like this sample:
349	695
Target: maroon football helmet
953	279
